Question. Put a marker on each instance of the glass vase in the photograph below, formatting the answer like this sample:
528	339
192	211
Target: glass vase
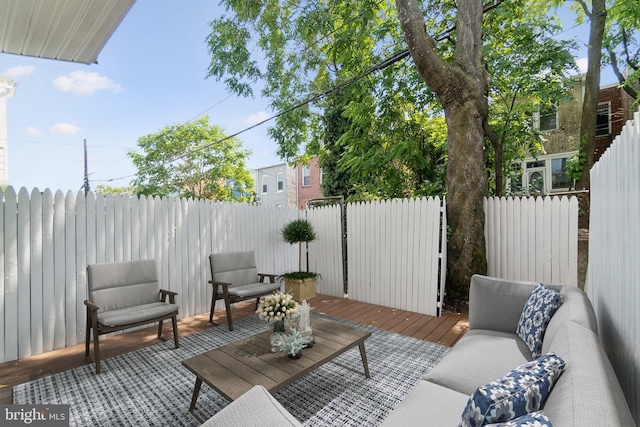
278	326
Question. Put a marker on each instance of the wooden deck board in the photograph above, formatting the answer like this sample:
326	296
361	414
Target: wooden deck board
445	330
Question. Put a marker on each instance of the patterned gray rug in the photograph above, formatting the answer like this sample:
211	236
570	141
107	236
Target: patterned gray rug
150	387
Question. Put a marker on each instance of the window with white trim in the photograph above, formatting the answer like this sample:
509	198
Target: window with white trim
559	178
264	184
279	182
546	174
548	118
306	176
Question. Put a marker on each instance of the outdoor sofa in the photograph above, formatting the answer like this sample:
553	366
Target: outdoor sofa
587	392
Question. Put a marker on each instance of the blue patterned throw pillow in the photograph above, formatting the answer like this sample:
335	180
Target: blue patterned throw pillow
520	392
535	419
537	312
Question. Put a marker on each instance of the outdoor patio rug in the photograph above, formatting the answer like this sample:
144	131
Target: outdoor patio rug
151	387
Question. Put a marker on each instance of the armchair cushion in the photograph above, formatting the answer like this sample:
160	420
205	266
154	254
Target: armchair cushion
128	316
247	291
107	281
235	268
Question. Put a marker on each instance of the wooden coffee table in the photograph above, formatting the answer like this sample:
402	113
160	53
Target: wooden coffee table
233	369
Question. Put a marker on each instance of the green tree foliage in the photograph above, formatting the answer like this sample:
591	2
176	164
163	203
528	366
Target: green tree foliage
107	189
336	180
390	122
311	47
529	70
195	160
622	44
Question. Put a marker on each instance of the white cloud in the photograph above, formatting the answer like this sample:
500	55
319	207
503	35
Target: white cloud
31	131
17	71
582	65
64	129
84	83
253	119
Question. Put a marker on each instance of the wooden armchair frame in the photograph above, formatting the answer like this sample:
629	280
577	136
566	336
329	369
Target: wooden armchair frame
230	299
235	278
160	315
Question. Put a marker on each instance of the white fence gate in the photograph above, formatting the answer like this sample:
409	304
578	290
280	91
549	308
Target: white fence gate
394	253
47	240
614	257
533	239
325	253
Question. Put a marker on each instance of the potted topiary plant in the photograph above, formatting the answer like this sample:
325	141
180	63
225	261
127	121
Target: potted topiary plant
300	284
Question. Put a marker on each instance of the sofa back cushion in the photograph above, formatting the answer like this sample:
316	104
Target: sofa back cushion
576	308
236	268
117	285
588	392
484	313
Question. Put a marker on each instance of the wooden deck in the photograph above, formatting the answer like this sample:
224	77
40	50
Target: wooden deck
445	330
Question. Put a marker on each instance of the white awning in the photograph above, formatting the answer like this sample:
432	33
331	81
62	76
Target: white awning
66	30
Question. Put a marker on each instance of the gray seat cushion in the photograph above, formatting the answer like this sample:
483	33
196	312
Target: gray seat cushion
479	357
235	268
576	308
428	404
251	289
256	408
118	285
127	316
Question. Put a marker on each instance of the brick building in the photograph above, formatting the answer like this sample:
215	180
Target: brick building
309	182
283	185
545	172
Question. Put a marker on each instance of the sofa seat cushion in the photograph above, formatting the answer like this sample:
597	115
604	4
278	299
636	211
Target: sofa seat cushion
521	391
588	392
256	408
428	404
251	289
479	357
127	316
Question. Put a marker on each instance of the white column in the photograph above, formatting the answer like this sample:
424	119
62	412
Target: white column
7	90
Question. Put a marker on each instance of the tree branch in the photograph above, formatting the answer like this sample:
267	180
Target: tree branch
621	78
585	8
430	65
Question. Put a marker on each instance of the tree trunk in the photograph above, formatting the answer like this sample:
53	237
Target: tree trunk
461	87
466	188
598	15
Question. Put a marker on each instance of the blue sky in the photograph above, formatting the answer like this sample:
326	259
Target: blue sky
150	74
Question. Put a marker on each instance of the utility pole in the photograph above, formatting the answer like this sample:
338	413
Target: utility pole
86	172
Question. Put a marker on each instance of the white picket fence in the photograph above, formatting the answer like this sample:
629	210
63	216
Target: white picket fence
534	239
47	240
614	257
395	252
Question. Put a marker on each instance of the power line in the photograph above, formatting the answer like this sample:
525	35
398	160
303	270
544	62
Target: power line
388	62
397	57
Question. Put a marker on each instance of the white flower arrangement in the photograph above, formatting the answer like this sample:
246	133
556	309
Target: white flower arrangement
277	307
